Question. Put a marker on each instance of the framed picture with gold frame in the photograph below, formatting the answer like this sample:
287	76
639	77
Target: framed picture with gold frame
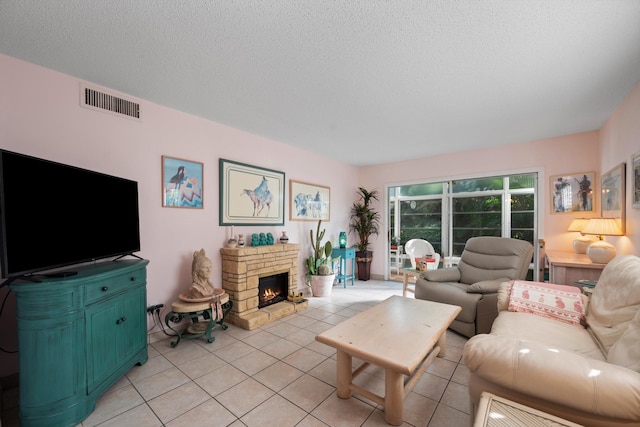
635	180
309	202
613	202
572	192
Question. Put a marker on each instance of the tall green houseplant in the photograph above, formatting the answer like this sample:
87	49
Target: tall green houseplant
365	222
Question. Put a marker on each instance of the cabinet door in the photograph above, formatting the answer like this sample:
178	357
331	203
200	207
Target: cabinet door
115	332
51	354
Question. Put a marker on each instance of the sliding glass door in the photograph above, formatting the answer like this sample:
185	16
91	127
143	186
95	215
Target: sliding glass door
448	213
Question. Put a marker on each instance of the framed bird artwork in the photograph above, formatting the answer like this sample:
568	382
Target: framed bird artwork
250	195
182	183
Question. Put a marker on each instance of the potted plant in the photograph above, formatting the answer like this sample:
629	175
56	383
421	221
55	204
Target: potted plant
395	242
320	275
365	222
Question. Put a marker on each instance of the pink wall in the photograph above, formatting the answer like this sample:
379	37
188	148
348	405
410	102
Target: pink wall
553	156
619	140
40	115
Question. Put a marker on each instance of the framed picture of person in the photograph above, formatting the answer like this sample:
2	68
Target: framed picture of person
182	183
572	192
250	195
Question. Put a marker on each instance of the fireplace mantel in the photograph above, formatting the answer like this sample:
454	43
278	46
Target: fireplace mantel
242	269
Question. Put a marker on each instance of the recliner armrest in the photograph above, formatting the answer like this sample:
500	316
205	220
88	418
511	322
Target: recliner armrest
442	275
555	375
486	286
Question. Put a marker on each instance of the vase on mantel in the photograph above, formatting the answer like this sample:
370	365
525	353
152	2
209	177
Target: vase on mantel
284	238
241	240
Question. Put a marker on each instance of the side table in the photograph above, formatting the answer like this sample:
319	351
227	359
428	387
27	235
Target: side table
495	411
565	268
345	254
213	320
406	272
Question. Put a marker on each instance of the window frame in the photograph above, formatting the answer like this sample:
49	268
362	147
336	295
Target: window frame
447	202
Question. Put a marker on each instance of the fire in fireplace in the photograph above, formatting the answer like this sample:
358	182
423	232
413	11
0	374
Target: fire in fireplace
273	289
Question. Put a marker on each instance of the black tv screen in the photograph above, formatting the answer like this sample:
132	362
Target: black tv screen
54	215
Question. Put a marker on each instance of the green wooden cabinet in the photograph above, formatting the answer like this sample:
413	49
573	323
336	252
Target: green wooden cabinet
77	336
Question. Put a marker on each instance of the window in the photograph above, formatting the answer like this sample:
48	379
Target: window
448	213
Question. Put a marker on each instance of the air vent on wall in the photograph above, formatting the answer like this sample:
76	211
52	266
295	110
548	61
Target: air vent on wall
102	101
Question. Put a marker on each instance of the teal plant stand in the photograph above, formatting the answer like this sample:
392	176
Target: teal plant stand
345	255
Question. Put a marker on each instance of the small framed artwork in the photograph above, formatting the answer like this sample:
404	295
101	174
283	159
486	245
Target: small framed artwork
309	202
572	193
182	183
613	189
250	195
635	181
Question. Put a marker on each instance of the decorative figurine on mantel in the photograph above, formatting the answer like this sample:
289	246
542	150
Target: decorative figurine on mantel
232	242
201	286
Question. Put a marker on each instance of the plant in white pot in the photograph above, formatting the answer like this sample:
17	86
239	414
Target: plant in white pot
320	275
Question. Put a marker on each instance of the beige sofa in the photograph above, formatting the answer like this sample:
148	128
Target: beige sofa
473	284
590	375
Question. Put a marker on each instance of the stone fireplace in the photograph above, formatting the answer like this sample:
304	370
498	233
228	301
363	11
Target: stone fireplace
242	271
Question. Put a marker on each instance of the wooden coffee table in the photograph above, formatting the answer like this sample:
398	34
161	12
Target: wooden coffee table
401	335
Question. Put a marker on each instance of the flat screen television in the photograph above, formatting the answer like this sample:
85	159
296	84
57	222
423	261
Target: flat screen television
55	215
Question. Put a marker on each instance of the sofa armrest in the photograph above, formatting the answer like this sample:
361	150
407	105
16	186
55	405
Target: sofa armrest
555	375
442	275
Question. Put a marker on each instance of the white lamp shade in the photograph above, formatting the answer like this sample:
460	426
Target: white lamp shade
603	227
601	252
578	224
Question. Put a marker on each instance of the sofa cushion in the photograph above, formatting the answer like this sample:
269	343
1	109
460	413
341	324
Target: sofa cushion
626	351
450	293
559	302
527	326
615	300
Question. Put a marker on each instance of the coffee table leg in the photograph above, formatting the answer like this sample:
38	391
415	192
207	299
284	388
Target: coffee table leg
343	374
394	397
405	283
442	343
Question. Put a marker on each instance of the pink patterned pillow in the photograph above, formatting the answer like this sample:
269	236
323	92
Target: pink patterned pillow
559	302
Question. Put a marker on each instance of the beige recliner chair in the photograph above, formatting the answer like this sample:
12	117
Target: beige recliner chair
473	284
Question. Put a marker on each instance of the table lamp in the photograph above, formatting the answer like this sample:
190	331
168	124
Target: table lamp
581	243
600	251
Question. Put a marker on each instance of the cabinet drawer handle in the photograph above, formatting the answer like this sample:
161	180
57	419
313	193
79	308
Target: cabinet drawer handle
120	320
133	278
105	288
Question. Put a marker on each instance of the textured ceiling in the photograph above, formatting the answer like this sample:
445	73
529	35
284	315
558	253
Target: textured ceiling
363	81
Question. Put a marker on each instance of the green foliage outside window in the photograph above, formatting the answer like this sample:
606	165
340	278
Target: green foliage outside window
478	215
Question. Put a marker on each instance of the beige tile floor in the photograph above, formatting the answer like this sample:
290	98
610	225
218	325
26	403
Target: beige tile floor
276	375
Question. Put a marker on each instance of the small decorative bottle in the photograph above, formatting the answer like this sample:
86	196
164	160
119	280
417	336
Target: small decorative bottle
343	239
284	238
241	240
232	242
